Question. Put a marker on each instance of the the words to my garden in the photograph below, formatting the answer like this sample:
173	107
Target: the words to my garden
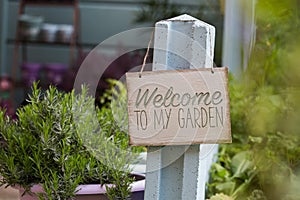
178	107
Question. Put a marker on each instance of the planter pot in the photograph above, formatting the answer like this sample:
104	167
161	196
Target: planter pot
48	33
64	33
30	72
55	73
30	26
92	191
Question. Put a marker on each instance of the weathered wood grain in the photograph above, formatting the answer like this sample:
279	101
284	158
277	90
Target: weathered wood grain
179	107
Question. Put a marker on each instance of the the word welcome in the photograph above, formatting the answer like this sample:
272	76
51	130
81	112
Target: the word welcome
171	99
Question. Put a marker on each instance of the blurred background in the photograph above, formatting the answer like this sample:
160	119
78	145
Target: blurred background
257	39
47	40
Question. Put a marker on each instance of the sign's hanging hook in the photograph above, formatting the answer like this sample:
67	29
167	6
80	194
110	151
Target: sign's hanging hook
146	55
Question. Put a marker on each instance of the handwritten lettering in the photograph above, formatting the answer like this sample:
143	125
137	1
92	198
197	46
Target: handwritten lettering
141	119
161	118
173	99
200	118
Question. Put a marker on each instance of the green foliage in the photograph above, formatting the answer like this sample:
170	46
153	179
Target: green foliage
264	153
277	30
210	12
220	197
263	160
158	10
60	141
113	116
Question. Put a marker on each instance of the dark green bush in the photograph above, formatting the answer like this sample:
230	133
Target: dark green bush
60	140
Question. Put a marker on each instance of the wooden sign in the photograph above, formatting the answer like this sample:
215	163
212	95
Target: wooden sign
178	107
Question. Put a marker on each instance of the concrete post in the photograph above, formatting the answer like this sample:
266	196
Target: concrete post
180	172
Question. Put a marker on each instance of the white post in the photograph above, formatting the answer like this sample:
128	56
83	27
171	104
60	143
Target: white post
239	34
180	172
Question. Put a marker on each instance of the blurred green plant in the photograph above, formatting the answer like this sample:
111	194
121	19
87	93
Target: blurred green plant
156	10
162	9
263	161
113	120
113	114
208	11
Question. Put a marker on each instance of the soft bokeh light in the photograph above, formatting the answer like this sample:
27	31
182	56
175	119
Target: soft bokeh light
265	113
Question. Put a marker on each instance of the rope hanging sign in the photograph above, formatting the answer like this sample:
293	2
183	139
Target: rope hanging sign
178	107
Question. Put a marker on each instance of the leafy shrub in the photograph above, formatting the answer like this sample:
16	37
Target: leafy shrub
57	142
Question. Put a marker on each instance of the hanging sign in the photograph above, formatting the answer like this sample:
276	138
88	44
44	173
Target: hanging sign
178	107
